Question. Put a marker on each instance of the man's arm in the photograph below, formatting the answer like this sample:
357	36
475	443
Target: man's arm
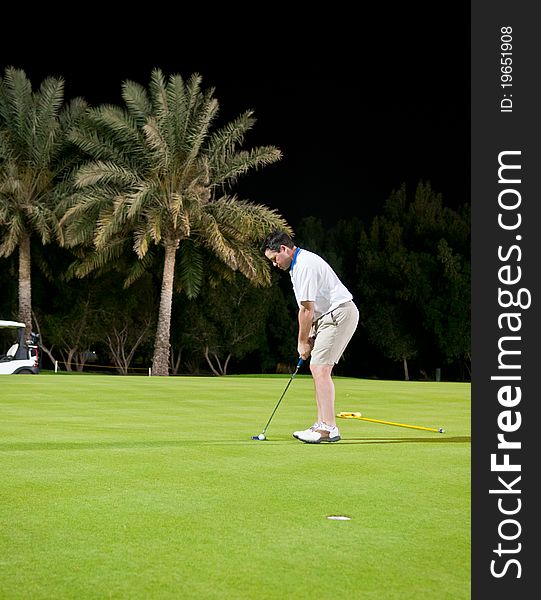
306	317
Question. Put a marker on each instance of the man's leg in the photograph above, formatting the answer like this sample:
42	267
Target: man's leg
326	430
324	392
334	331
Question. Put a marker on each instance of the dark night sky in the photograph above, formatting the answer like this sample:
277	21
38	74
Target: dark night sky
358	105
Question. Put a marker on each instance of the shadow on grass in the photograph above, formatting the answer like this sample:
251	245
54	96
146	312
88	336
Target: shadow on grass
460	439
464	439
38	446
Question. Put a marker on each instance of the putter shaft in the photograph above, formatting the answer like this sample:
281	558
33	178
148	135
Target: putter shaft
283	394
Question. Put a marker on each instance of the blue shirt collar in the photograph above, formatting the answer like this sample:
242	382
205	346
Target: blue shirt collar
294	259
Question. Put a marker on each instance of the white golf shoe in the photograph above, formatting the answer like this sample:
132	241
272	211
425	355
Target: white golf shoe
321	433
296	434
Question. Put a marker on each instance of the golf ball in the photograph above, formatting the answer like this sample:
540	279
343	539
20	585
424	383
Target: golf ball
441	430
261	436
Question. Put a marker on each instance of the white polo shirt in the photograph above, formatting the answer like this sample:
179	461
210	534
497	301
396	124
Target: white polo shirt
315	281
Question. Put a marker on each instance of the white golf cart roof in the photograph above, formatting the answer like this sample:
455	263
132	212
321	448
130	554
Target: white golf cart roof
11	324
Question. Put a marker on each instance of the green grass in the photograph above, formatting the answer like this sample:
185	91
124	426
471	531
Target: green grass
144	488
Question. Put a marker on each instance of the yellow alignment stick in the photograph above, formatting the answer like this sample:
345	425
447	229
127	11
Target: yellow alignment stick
358	415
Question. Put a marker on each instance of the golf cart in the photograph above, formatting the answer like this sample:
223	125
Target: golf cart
22	357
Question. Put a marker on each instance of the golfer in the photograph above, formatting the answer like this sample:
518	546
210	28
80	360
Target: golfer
327	318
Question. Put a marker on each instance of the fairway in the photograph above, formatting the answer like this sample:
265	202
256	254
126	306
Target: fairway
145	488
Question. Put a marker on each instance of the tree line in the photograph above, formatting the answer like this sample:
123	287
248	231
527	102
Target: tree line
123	239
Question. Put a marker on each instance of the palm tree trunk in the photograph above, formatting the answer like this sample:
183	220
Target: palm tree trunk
160	360
25	284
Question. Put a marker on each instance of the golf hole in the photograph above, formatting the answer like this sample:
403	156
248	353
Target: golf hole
338	518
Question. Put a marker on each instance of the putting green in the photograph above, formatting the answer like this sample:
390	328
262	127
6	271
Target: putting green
140	487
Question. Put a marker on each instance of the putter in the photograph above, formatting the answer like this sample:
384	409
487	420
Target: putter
262	436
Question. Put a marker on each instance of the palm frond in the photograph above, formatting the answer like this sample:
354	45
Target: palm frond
95	145
138	268
190	269
249	261
12	234
73	112
179	109
242	162
119	124
137	101
97	259
251	221
41	219
243	225
10	182
155	218
48	104
5	149
189	95
158	93
199	125
104	173
79	220
112	222
141	241
50	98
178	215
224	141
212	237
141	194
157	143
17	105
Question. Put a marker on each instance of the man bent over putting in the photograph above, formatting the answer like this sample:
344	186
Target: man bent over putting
327	320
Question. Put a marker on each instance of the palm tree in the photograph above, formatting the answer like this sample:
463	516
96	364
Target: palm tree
34	158
158	179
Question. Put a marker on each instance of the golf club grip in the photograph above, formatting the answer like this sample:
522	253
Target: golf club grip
297	368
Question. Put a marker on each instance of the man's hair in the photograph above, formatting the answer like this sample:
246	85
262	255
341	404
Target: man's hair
276	239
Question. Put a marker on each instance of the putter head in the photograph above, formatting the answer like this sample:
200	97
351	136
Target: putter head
261	437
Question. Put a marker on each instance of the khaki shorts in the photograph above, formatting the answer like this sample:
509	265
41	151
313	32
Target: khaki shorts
332	332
